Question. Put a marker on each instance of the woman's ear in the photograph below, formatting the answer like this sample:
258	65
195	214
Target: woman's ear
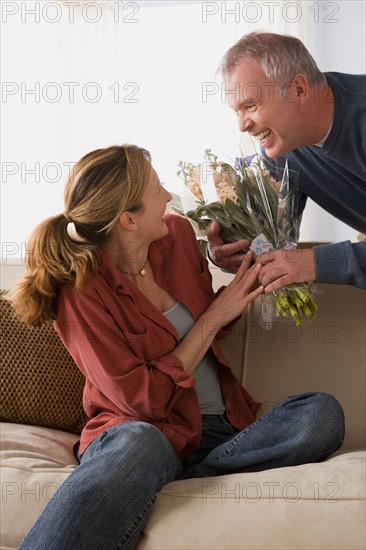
127	221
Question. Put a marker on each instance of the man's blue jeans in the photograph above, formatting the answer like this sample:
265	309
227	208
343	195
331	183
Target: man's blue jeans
105	502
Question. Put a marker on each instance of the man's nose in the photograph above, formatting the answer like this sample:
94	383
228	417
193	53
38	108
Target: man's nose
244	122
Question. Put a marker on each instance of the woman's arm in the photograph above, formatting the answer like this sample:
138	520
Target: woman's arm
228	305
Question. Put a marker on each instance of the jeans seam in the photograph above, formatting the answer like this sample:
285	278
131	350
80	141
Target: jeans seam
141	517
144	512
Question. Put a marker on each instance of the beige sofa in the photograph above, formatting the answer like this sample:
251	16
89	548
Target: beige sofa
314	506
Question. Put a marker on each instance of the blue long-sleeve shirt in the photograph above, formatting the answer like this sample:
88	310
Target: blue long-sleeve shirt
334	176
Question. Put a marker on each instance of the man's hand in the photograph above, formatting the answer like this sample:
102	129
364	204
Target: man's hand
224	255
284	267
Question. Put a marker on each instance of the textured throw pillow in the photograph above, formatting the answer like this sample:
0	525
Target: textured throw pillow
40	383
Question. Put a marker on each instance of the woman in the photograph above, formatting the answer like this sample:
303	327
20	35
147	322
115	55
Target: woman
132	301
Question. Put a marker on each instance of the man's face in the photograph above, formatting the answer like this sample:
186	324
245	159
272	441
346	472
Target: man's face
264	109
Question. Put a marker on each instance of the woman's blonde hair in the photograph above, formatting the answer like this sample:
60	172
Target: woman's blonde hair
66	248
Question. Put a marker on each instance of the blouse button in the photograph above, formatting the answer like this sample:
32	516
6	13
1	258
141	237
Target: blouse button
192	302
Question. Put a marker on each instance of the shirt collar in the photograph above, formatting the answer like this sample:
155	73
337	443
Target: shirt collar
322	141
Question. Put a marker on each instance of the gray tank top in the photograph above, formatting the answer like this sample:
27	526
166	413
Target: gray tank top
207	381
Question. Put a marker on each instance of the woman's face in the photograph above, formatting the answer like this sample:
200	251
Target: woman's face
150	217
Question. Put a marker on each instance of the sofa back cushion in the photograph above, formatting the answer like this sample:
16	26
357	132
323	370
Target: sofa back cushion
326	354
40	383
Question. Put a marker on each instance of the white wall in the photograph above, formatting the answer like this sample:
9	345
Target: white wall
167	54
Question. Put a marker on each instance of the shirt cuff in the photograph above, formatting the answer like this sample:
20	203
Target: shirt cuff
173	367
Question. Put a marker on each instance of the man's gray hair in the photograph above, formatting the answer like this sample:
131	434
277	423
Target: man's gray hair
281	57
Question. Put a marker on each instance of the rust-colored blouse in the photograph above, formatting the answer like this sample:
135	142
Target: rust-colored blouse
125	346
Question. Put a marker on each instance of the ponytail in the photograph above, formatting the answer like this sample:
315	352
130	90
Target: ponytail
53	259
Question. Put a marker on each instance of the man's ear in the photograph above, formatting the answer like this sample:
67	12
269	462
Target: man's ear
301	86
127	221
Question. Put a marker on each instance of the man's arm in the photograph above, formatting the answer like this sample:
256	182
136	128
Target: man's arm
340	263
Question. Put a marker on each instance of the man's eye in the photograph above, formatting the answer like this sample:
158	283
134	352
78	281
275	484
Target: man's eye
251	107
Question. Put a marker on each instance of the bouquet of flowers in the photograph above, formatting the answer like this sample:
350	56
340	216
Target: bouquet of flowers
252	199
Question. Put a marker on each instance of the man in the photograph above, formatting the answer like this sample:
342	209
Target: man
318	122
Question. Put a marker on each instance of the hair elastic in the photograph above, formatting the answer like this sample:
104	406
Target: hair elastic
67	216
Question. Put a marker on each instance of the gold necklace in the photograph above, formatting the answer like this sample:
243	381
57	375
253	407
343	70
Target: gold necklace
141	271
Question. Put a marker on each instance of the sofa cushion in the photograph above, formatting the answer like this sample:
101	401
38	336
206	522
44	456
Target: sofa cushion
35	461
314	506
40	383
310	507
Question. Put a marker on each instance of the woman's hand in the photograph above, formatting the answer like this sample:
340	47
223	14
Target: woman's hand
236	297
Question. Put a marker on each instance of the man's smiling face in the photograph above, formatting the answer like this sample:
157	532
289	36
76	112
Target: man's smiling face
264	109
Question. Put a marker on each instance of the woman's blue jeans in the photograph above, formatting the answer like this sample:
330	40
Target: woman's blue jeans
105	502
